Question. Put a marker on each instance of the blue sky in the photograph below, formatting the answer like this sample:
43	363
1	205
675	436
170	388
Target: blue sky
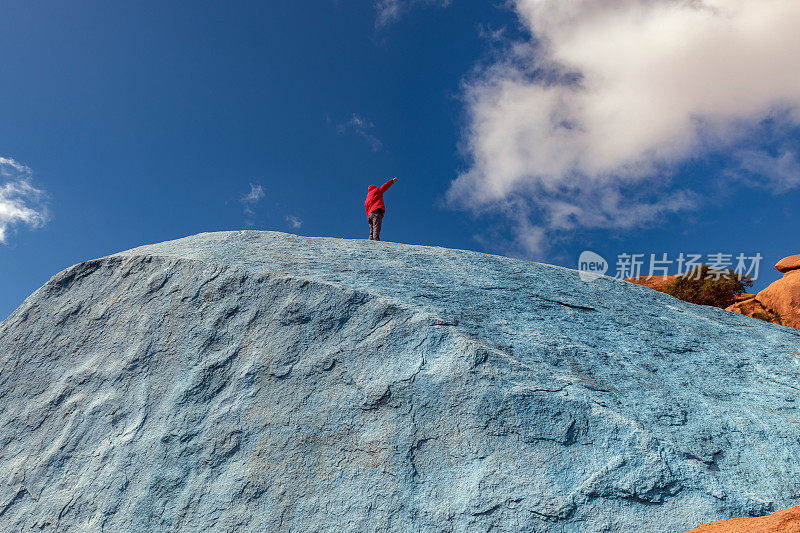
513	127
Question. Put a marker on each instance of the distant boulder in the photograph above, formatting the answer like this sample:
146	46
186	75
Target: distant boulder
780	301
788	263
783	297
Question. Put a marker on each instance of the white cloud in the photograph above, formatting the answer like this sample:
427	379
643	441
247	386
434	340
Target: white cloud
584	124
293	222
20	202
361	127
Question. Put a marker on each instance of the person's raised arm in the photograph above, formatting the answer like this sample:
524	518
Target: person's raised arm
386	185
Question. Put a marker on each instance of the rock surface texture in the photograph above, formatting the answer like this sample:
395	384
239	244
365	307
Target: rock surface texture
780	298
257	381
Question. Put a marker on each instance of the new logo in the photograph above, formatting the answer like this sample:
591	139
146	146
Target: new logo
591	266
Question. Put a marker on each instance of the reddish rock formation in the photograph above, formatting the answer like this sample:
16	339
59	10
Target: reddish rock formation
657	283
782	297
750	307
785	521
788	263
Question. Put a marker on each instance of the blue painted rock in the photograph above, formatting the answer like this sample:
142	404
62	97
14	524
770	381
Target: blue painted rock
257	381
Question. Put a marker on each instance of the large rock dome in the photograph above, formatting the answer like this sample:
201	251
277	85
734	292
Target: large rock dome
258	381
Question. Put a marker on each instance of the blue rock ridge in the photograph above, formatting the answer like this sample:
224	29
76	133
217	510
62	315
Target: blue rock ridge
259	381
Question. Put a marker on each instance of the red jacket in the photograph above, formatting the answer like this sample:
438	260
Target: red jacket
374	199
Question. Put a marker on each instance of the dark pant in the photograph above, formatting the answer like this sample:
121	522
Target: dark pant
374	220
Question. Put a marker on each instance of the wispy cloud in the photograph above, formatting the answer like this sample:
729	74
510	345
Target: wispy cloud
780	172
21	204
389	11
293	222
256	193
361	127
584	125
250	200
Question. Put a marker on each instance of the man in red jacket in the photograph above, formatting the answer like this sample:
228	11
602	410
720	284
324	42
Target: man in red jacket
375	208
